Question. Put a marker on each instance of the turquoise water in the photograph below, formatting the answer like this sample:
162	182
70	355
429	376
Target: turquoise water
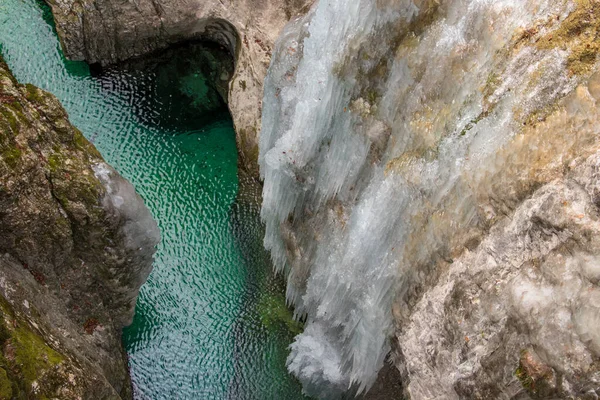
210	323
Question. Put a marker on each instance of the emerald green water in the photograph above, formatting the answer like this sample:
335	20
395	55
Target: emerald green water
210	322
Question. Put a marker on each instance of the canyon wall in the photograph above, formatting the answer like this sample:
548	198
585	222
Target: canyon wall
108	31
76	244
430	179
431	193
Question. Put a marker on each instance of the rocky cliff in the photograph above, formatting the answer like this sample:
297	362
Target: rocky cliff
431	192
76	244
107	31
430	179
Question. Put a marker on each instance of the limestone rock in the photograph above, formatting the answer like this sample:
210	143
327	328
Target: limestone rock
431	175
519	315
76	244
107	31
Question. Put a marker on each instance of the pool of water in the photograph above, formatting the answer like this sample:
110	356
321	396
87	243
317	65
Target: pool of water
210	322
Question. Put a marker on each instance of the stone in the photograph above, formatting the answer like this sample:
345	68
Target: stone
76	244
431	194
109	31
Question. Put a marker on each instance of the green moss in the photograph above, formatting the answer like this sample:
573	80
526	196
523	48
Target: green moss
10	119
6	309
372	96
13	115
55	162
11	156
15	105
33	94
274	313
535	377
81	143
25	358
472	123
72	183
4	333
491	84
79	140
6	391
18	110
88	190
32	354
526	381
5	128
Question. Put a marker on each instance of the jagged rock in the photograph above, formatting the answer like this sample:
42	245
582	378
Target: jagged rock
520	314
107	31
76	244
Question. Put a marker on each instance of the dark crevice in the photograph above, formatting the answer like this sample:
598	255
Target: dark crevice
188	81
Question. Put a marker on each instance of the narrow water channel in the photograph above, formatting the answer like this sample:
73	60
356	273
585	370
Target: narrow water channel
211	321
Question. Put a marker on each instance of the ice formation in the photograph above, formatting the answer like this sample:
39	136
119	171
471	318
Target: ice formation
388	127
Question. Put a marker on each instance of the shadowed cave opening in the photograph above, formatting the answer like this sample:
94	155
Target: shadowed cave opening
186	84
189	78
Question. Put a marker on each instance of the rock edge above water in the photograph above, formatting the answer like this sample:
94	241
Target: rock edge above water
76	244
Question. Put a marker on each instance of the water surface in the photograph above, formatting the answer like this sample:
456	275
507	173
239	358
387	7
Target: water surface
210	323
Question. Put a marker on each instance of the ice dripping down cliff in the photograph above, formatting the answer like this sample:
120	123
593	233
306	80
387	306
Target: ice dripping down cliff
398	134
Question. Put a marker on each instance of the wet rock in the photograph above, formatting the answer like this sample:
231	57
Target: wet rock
431	175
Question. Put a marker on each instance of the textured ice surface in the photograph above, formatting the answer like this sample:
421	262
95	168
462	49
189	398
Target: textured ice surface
390	130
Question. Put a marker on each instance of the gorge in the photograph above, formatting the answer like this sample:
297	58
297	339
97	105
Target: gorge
430	183
211	306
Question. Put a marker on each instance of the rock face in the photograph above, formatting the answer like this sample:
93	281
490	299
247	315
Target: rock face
76	244
520	313
431	192
107	31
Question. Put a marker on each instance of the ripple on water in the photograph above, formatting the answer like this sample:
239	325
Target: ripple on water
198	332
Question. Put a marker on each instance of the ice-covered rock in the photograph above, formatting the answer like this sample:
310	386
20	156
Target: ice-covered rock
398	135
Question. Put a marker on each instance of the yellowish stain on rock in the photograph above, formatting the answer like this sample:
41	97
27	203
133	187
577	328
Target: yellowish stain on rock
579	34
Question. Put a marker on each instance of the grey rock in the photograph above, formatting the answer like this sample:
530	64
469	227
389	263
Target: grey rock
76	244
520	314
108	31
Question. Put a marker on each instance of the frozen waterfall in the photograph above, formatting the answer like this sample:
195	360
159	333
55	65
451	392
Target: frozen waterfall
388	127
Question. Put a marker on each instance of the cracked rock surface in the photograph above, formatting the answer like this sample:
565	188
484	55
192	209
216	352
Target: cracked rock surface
431	175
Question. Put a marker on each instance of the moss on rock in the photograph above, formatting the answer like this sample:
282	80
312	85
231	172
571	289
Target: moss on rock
33	94
536	377
63	251
11	156
6	391
32	354
274	313
29	367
